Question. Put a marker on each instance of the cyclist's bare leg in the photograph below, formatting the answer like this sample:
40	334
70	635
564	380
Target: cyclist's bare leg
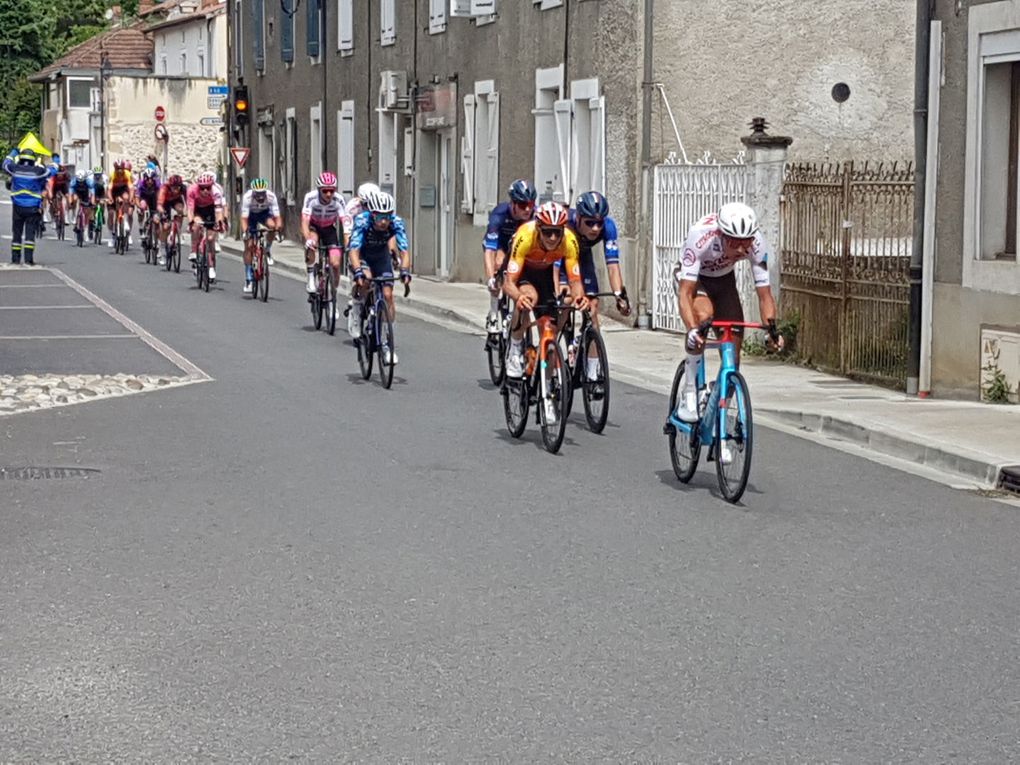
336	263
522	320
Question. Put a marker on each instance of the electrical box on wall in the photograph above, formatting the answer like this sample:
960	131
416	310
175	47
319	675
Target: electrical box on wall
1000	364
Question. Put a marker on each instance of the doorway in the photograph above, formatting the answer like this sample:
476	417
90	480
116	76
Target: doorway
444	176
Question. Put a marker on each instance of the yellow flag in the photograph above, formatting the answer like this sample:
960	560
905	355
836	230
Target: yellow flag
31	142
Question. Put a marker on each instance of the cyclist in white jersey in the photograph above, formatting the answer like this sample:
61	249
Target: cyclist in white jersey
323	210
707	286
258	206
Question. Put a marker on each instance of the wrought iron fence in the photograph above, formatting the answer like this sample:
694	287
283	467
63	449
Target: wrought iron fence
846	237
685	192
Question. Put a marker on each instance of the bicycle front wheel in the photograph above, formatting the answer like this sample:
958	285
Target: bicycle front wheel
733	445
595	387
552	402
330	304
684	448
495	350
365	345
385	335
264	281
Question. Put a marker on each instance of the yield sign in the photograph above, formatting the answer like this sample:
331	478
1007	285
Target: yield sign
240	155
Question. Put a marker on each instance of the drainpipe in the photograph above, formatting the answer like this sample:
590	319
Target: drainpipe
645	218
921	51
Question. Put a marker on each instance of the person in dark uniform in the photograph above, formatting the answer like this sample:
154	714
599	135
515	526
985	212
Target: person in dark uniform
29	180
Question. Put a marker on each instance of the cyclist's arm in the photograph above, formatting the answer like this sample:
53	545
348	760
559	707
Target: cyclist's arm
514	266
572	259
357	239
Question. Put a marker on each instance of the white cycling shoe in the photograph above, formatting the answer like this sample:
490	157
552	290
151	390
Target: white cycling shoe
247	288
212	274
311	286
687	407
725	453
389	356
515	365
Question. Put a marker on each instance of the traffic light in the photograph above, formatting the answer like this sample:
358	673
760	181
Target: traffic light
241	106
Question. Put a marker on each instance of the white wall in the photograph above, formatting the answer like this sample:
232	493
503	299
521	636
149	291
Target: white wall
199	37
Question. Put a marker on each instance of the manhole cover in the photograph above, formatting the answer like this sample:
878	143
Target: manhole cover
39	473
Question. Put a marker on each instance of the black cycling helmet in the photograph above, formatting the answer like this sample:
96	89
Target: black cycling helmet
27	156
522	191
591	204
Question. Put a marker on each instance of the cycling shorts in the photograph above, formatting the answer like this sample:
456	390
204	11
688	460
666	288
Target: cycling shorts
207	215
725	297
327	235
542	280
168	205
262	217
118	191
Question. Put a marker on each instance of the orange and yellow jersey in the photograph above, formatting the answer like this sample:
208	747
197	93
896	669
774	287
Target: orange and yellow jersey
527	252
121	178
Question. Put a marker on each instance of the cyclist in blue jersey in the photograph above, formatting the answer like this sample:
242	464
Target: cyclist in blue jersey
83	195
504	221
378	237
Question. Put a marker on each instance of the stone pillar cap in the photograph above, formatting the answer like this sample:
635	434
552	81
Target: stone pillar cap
759	138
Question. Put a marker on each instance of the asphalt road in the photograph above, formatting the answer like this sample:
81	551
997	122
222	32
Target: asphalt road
289	563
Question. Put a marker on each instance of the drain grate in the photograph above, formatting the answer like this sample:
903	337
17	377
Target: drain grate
40	473
1009	479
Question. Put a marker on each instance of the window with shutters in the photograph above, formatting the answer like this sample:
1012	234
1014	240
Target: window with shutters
550	178
290	157
312	33
388	131
580	130
238	40
258	33
388	22
345	27
437	16
460	8
483	11
345	148
480	152
287	31
315	141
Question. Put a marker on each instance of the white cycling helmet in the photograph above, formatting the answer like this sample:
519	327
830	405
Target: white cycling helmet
379	202
365	188
737	220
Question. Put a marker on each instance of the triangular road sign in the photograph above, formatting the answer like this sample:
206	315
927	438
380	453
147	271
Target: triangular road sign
240	155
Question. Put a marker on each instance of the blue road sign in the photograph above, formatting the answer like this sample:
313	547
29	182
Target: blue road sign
219	90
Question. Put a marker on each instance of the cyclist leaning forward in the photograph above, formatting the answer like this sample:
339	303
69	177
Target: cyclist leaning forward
170	201
147	193
535	250
205	216
323	210
121	193
378	237
708	286
504	220
259	206
82	193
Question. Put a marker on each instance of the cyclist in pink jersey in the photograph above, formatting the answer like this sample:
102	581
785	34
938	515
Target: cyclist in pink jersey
205	209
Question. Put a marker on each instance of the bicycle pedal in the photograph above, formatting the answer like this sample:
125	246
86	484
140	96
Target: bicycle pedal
669	429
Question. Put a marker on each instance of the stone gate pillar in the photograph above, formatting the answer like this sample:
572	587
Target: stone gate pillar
766	163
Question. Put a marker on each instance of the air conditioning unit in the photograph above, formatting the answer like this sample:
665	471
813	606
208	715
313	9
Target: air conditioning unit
394	90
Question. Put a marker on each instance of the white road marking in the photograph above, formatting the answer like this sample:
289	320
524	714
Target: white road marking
41	307
28	286
67	337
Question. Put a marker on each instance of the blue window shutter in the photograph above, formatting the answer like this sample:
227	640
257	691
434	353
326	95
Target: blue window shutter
312	33
257	27
286	31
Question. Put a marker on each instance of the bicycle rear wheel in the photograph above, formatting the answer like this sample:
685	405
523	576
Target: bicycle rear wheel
736	442
495	351
684	448
594	391
385	336
552	401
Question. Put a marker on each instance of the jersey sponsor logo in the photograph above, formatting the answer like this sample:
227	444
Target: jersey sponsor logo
576	271
513	267
689	257
704	239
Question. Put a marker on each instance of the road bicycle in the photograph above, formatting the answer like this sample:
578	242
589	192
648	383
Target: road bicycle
323	300
545	382
121	230
260	266
98	223
203	259
725	422
579	344
57	214
79	225
172	256
376	330
496	342
150	237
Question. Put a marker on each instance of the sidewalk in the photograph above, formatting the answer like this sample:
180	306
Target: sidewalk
965	441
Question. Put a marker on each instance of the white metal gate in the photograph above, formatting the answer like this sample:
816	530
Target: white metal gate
684	193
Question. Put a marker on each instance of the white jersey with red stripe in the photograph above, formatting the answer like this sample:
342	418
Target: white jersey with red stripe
249	204
323	214
704	256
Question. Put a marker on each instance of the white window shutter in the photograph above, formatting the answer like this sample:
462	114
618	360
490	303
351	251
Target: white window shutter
345	23
491	190
598	144
437	16
460	8
483	7
564	112
345	148
467	156
409	151
388	26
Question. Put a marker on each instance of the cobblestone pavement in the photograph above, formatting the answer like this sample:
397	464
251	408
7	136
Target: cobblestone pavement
22	393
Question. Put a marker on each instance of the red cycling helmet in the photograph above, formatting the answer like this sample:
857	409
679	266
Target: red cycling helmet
127	164
551	214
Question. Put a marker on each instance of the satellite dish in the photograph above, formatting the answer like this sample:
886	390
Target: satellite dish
109	14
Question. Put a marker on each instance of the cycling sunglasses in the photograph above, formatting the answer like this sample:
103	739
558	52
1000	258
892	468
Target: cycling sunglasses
593	222
388	217
551	232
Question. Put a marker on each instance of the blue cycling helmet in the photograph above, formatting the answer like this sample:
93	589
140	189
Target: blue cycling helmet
591	204
522	191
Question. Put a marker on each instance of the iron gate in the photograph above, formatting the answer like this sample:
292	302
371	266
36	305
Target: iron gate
846	239
684	193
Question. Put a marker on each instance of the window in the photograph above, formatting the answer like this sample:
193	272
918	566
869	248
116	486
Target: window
437	16
484	11
480	152
290	158
388	151
584	144
315	140
388	22
79	94
550	172
999	162
162	64
286	31
258	16
239	39
312	35
345	148
345	27
200	66
184	63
